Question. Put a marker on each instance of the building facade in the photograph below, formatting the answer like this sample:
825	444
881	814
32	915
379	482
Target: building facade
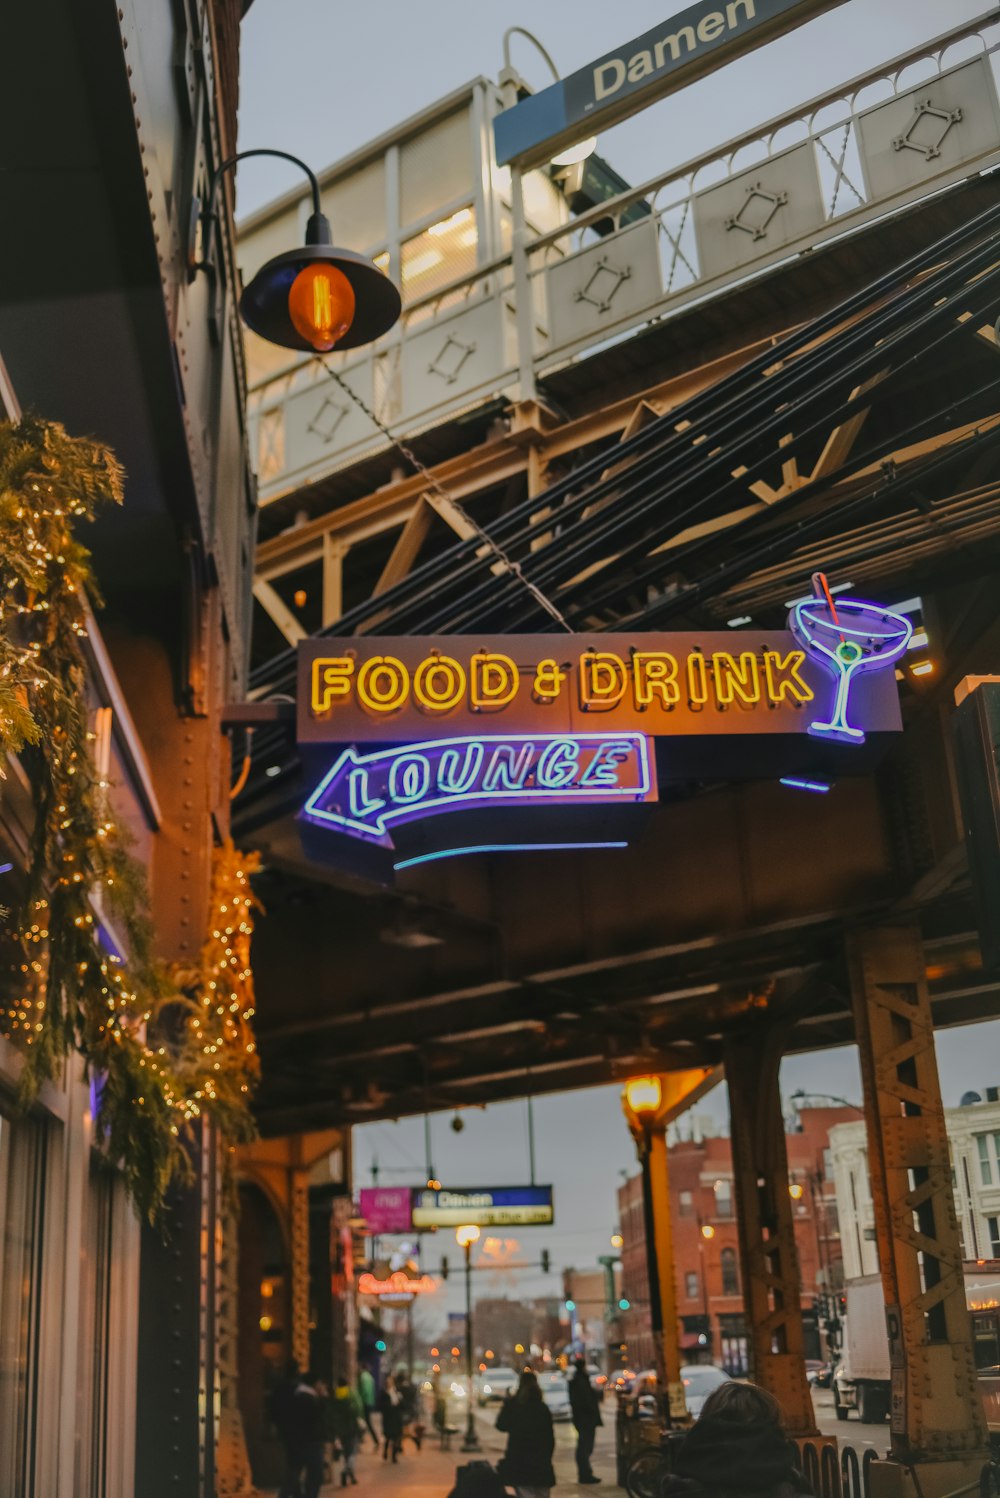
707	1268
974	1143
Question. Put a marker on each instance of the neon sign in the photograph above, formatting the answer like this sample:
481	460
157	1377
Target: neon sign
366	795
397	1283
849	637
406	689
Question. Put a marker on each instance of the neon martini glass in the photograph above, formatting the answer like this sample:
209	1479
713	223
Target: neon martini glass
848	637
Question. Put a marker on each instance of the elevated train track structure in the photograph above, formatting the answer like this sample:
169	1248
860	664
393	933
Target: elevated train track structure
821	394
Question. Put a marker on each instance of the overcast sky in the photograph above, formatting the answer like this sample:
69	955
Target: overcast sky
319	78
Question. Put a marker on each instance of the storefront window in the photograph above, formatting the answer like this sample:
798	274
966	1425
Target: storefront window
94	1350
22	1174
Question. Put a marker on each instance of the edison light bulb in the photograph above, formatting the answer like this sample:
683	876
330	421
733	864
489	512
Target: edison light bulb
321	305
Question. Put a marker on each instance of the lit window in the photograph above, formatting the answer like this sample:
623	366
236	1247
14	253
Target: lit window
691	1284
686	1204
723	1198
444	252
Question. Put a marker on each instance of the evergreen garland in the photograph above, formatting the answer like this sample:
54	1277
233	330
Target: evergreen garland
162	1048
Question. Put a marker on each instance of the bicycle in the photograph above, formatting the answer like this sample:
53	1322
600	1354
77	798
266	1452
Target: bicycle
647	1469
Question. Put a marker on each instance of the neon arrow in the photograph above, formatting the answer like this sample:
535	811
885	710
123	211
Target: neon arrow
363	794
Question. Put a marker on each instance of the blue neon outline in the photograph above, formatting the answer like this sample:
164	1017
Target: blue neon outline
804	785
5	868
409	863
843	672
378	828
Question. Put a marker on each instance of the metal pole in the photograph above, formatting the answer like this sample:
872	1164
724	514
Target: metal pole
662	1264
531	1138
471	1442
524	318
653	1280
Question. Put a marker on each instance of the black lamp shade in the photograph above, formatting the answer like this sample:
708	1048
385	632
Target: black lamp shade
264	304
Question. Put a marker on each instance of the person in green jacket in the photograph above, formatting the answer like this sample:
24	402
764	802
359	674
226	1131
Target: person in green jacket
366	1393
346	1418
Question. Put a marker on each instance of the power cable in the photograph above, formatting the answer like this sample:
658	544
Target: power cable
420	467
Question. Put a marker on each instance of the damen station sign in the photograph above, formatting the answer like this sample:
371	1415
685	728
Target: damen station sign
672	55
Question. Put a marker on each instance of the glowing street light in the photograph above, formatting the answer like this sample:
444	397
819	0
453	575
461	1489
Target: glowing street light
644	1095
312	298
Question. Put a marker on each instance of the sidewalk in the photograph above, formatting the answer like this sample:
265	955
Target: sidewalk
430	1473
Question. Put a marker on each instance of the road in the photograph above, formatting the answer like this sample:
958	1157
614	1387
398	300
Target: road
851	1432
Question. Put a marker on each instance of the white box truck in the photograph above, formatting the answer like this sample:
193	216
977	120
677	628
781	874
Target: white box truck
862	1377
862	1380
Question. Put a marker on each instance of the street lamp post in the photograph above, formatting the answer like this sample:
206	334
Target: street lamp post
645	1110
465	1237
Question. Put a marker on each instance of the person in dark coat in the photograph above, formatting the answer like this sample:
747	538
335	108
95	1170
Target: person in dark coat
279	1412
586	1407
737	1448
527	1422
390	1406
308	1422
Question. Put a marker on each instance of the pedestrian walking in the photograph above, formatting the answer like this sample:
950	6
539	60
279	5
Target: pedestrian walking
736	1446
366	1393
280	1414
390	1407
345	1422
526	1420
410	1399
586	1407
308	1434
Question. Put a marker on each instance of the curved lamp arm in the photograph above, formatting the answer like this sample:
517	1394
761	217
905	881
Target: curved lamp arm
317	229
520	31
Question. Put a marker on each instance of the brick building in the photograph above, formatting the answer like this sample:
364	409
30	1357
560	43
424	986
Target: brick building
706	1250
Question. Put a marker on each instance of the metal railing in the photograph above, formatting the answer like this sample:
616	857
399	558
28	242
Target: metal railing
907	129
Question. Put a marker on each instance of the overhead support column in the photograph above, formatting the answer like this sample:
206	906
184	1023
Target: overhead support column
772	1285
650	1104
937	1414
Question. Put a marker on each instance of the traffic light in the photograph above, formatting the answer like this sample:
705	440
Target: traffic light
444	1267
546	1262
380	1346
624	1305
570	1305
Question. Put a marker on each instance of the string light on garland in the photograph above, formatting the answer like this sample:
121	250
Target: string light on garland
141	1030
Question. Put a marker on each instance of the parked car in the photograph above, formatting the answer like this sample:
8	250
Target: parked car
495	1385
820	1375
555	1392
700	1380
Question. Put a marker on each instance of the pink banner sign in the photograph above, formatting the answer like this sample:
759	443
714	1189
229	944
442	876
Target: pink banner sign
387	1209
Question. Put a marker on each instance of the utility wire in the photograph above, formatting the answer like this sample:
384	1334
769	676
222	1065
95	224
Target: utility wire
432	483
